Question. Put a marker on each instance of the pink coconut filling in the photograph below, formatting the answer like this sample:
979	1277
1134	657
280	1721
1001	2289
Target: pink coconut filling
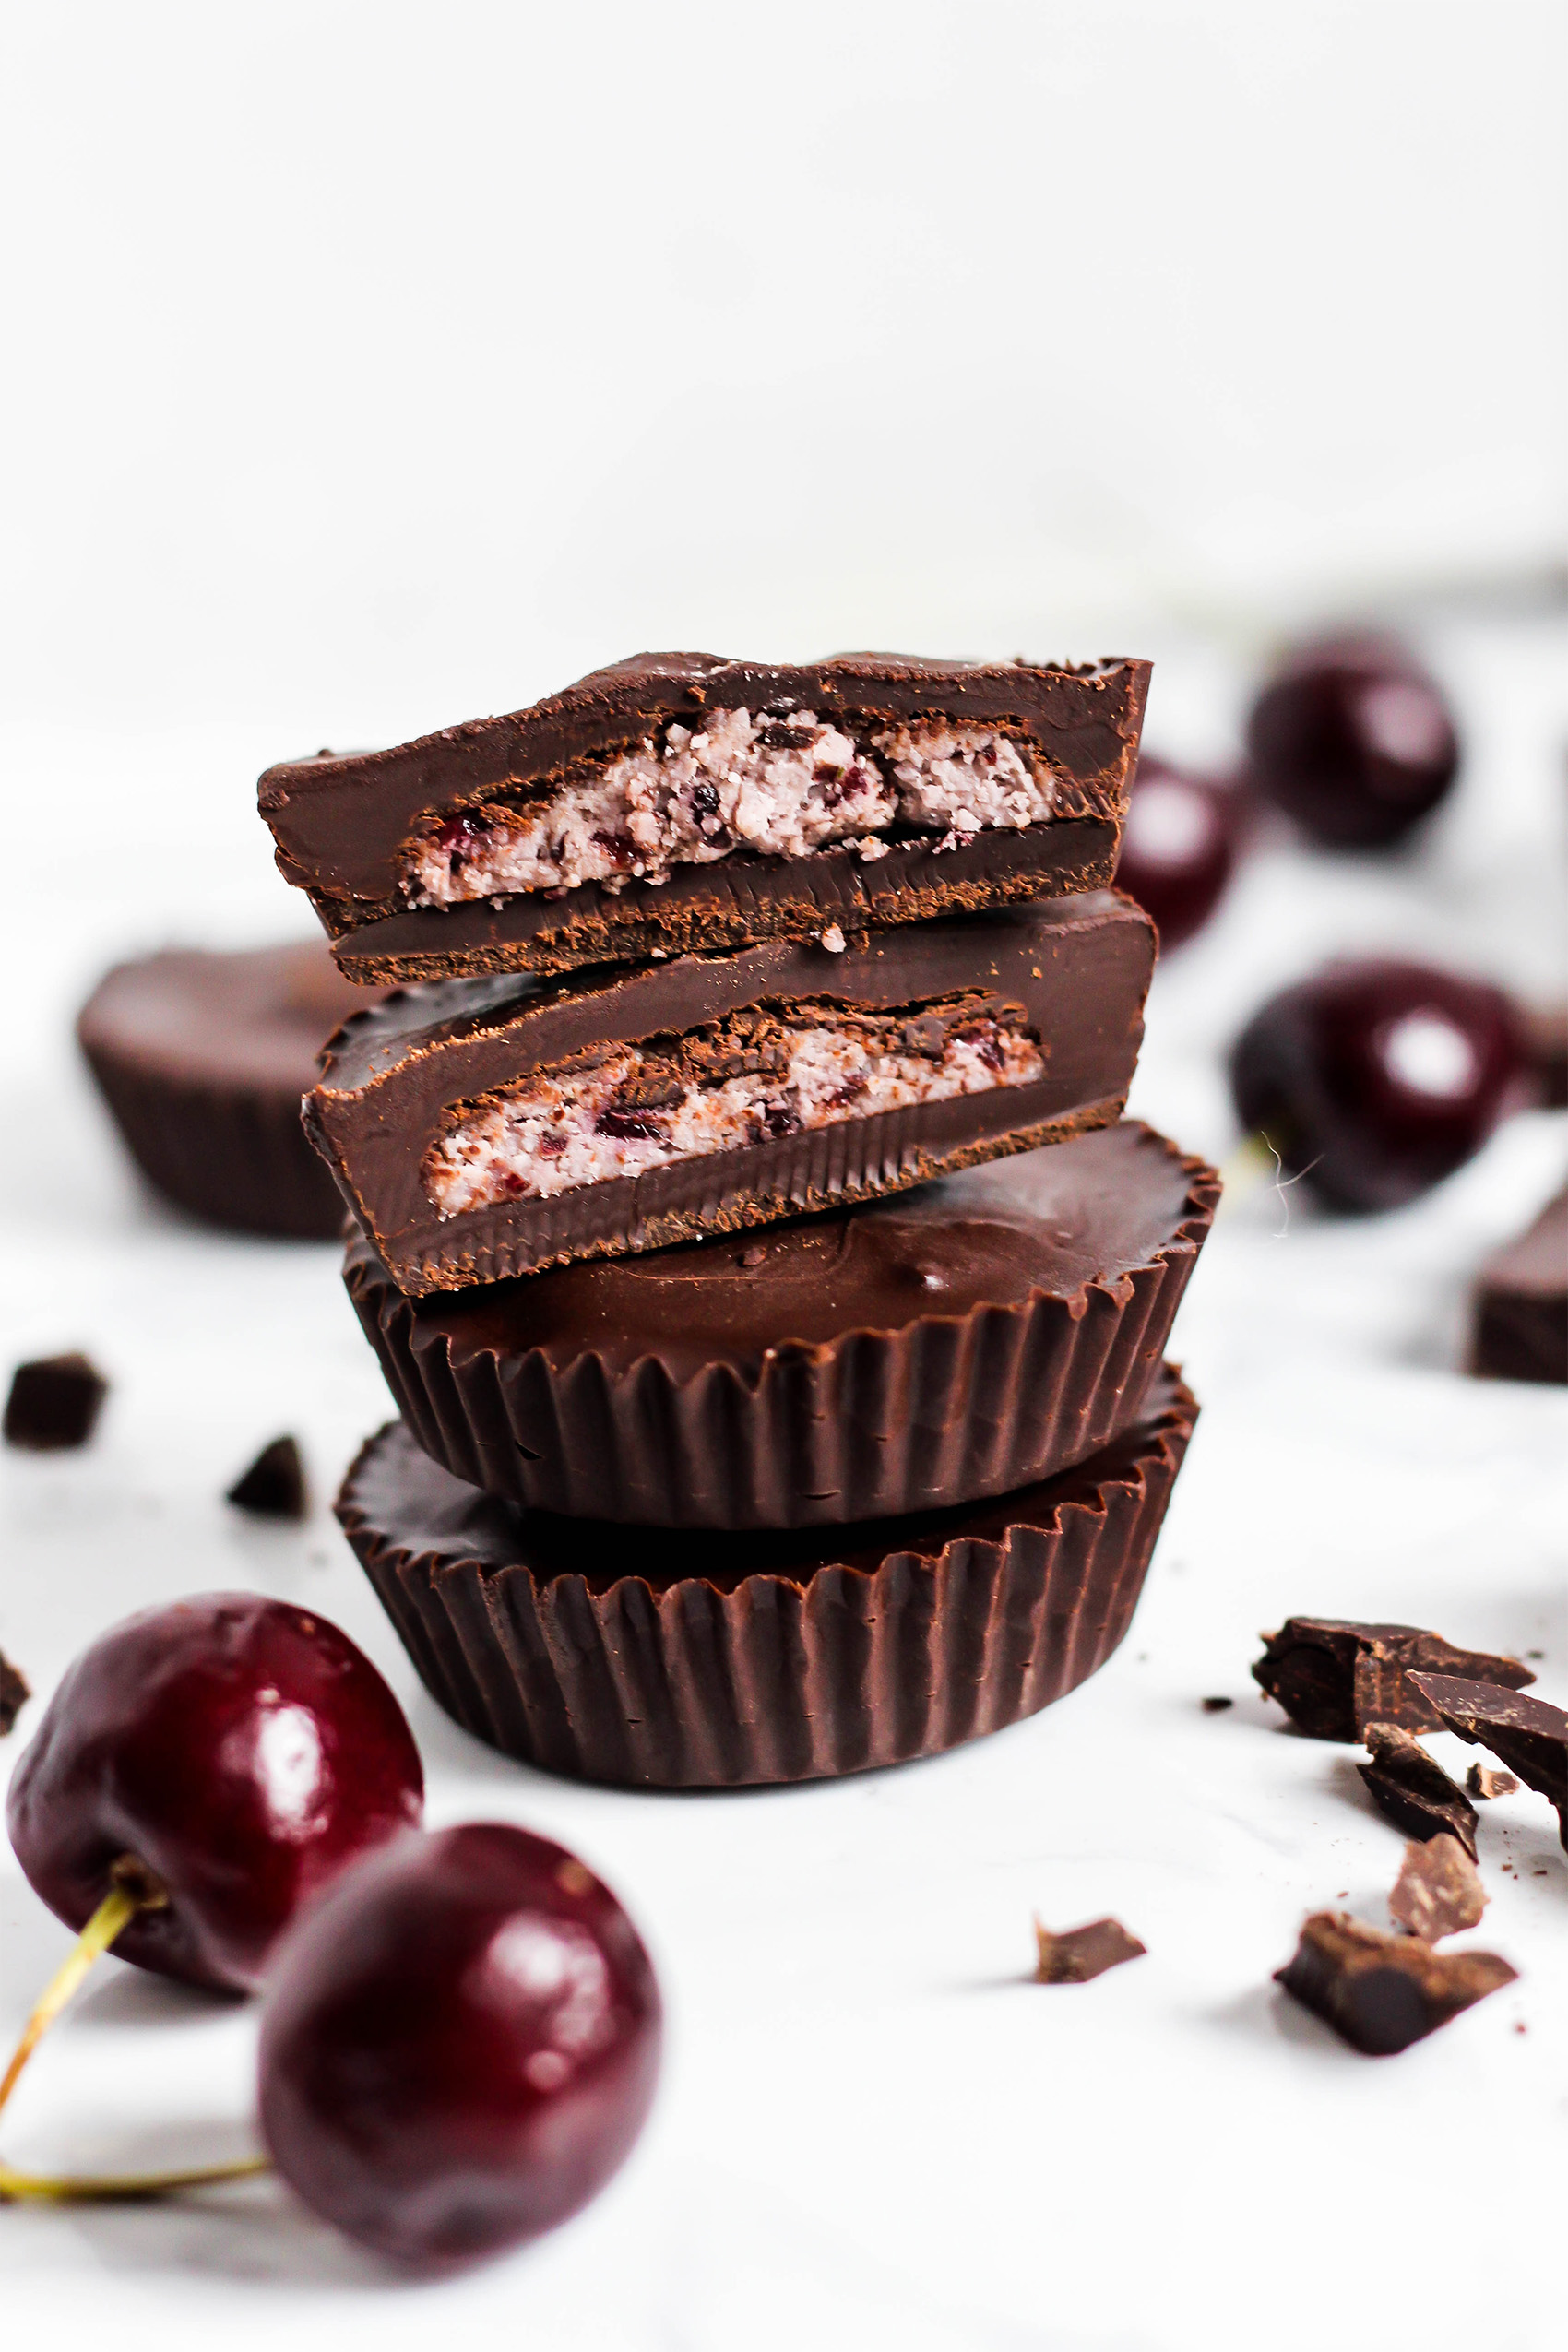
553	1134
775	787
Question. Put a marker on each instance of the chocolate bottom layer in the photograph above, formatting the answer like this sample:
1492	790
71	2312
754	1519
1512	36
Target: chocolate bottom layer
653	1659
202	1058
959	1341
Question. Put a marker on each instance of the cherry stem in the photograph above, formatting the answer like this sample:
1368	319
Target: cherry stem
118	1907
132	1891
64	2189
1246	1168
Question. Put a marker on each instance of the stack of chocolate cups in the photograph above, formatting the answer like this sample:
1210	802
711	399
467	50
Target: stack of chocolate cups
773	1295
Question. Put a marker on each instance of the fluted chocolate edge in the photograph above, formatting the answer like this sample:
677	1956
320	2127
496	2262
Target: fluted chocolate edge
949	1410
237	1157
689	1685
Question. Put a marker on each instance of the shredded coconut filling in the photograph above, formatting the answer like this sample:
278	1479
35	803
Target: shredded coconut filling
554	1133
783	787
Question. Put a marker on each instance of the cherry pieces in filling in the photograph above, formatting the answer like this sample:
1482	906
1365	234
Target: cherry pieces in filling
756	1077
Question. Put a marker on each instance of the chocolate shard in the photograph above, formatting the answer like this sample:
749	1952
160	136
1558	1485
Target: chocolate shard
1413	1789
1438	1890
1079	1953
1529	1736
1483	1782
54	1403
681	802
1519	1311
482	1129
1544	1031
274	1487
1332	1675
1382	1992
15	1693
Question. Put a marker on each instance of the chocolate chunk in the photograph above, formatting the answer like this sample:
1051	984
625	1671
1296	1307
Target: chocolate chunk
1216	1706
1438	1890
1482	1781
1382	1992
660	1659
54	1403
1530	1737
398	849
1333	1677
15	1693
435	1111
1544	1032
955	1342
202	1060
1079	1953
1519	1311
274	1487
1413	1789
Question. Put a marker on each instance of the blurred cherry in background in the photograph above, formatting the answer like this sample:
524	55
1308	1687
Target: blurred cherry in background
1179	846
1353	740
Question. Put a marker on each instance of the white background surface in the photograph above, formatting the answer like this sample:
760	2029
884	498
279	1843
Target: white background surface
371	366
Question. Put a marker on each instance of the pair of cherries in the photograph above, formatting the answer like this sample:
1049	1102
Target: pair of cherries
460	2030
1348	736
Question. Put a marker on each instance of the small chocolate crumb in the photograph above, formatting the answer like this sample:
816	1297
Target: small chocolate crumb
274	1485
1216	1706
1482	1781
54	1403
1382	1992
1413	1789
15	1693
1527	1735
1438	1890
1079	1953
1333	1677
1535	1653
754	1256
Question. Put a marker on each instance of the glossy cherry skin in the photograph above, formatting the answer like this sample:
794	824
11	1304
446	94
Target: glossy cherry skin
1352	739
238	1752
1375	1080
459	2045
1178	849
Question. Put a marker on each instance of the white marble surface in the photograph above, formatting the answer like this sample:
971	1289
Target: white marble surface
872	2129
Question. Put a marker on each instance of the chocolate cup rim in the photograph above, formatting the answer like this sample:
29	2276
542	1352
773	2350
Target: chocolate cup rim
1189	1234
1168	1425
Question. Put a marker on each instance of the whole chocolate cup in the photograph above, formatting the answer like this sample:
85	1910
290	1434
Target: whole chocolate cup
664	1661
963	1340
202	1058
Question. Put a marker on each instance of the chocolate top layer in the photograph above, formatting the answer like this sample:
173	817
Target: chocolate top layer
423	1509
255	1019
341	822
1050	1222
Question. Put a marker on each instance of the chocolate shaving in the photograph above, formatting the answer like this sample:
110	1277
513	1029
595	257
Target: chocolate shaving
274	1487
1382	1992
1530	1737
1413	1789
1333	1677
15	1693
1482	1781
54	1403
1438	1890
1079	1953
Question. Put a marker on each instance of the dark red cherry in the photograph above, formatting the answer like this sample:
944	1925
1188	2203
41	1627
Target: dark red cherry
1373	1081
229	1752
1352	739
1178	848
459	2045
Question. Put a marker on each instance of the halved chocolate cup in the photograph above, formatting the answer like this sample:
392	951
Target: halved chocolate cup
654	1660
955	1342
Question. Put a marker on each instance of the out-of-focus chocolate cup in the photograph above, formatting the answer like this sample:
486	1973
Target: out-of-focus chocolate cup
651	1658
957	1342
202	1058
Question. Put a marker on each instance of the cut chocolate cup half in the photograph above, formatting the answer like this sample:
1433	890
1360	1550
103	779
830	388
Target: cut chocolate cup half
482	1129
654	1660
682	802
958	1341
202	1058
